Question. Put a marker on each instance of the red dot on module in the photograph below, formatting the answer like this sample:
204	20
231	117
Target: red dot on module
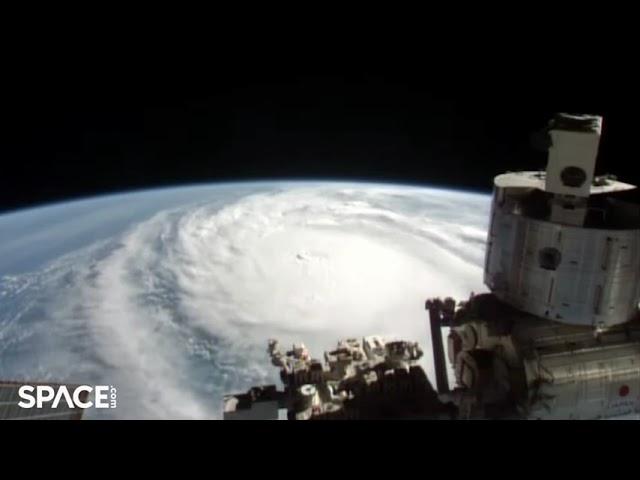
624	391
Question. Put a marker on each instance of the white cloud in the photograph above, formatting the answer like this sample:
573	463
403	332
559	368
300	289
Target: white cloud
178	309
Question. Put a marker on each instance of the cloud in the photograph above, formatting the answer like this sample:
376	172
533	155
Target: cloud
176	311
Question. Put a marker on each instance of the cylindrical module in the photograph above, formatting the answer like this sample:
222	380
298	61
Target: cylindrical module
598	382
580	276
575	274
562	245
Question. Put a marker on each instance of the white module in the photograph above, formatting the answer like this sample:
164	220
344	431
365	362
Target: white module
572	258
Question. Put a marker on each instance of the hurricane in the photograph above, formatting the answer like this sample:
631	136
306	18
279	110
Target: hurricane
175	310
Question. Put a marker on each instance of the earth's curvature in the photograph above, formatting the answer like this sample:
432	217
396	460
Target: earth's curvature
170	295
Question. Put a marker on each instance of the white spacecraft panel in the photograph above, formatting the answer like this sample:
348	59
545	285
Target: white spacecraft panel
574	275
586	384
572	162
537	181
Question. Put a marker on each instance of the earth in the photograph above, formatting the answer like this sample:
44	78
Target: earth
170	295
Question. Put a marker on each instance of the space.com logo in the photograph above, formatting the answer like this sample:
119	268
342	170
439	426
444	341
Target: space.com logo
36	397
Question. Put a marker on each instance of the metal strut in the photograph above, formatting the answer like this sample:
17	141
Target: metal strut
435	308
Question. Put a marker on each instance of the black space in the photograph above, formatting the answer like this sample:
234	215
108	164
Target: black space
83	122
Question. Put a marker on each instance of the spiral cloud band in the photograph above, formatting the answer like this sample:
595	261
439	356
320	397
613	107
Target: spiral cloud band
176	309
